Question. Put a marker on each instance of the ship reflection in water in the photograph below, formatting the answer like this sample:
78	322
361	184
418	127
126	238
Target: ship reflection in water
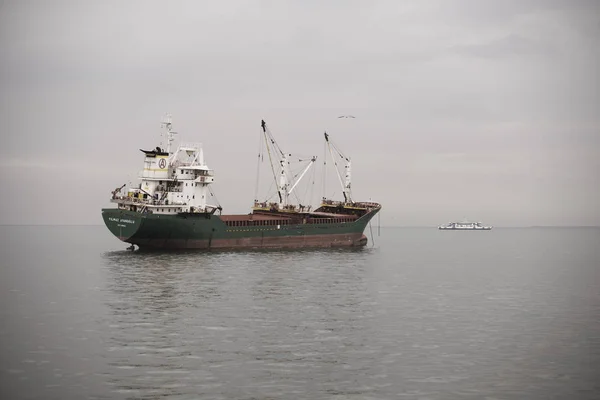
238	324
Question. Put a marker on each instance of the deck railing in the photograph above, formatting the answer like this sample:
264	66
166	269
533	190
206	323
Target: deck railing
138	201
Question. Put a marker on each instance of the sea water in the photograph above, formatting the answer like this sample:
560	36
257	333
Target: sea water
418	314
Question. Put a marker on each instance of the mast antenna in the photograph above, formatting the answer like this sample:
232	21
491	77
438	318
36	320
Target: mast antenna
167	125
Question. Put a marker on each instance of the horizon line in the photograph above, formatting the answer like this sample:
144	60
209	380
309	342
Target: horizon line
382	226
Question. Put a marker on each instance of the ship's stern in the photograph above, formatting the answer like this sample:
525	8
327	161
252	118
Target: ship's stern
122	223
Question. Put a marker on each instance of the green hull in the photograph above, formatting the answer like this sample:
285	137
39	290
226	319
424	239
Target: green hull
208	231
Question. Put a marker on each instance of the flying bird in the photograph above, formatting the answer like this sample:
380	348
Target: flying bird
346	116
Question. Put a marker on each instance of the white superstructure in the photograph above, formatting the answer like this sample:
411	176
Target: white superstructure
465	225
171	182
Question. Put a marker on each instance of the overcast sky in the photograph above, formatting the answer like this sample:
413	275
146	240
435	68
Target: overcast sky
486	110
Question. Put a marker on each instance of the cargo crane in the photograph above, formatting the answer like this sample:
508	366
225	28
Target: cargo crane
117	190
346	183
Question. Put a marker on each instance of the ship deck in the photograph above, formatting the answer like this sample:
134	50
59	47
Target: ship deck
253	217
286	216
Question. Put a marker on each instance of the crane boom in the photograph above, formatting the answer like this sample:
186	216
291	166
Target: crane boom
346	183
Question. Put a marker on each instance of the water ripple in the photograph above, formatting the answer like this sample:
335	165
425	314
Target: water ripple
428	315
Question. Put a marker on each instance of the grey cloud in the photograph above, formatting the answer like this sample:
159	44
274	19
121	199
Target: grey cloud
507	46
492	13
512	85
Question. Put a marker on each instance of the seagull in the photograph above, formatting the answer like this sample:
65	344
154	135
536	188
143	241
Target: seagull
346	116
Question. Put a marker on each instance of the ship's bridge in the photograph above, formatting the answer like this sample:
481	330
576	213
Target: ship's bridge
196	173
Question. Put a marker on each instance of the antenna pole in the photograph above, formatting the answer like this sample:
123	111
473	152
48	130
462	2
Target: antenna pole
168	125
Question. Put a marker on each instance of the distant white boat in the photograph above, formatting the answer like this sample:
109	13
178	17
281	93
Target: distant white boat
465	226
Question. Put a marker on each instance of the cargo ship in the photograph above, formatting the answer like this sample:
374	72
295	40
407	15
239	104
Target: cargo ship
170	209
465	226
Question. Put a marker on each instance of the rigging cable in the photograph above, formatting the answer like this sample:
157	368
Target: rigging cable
335	165
258	167
312	186
264	127
306	191
213	195
324	168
